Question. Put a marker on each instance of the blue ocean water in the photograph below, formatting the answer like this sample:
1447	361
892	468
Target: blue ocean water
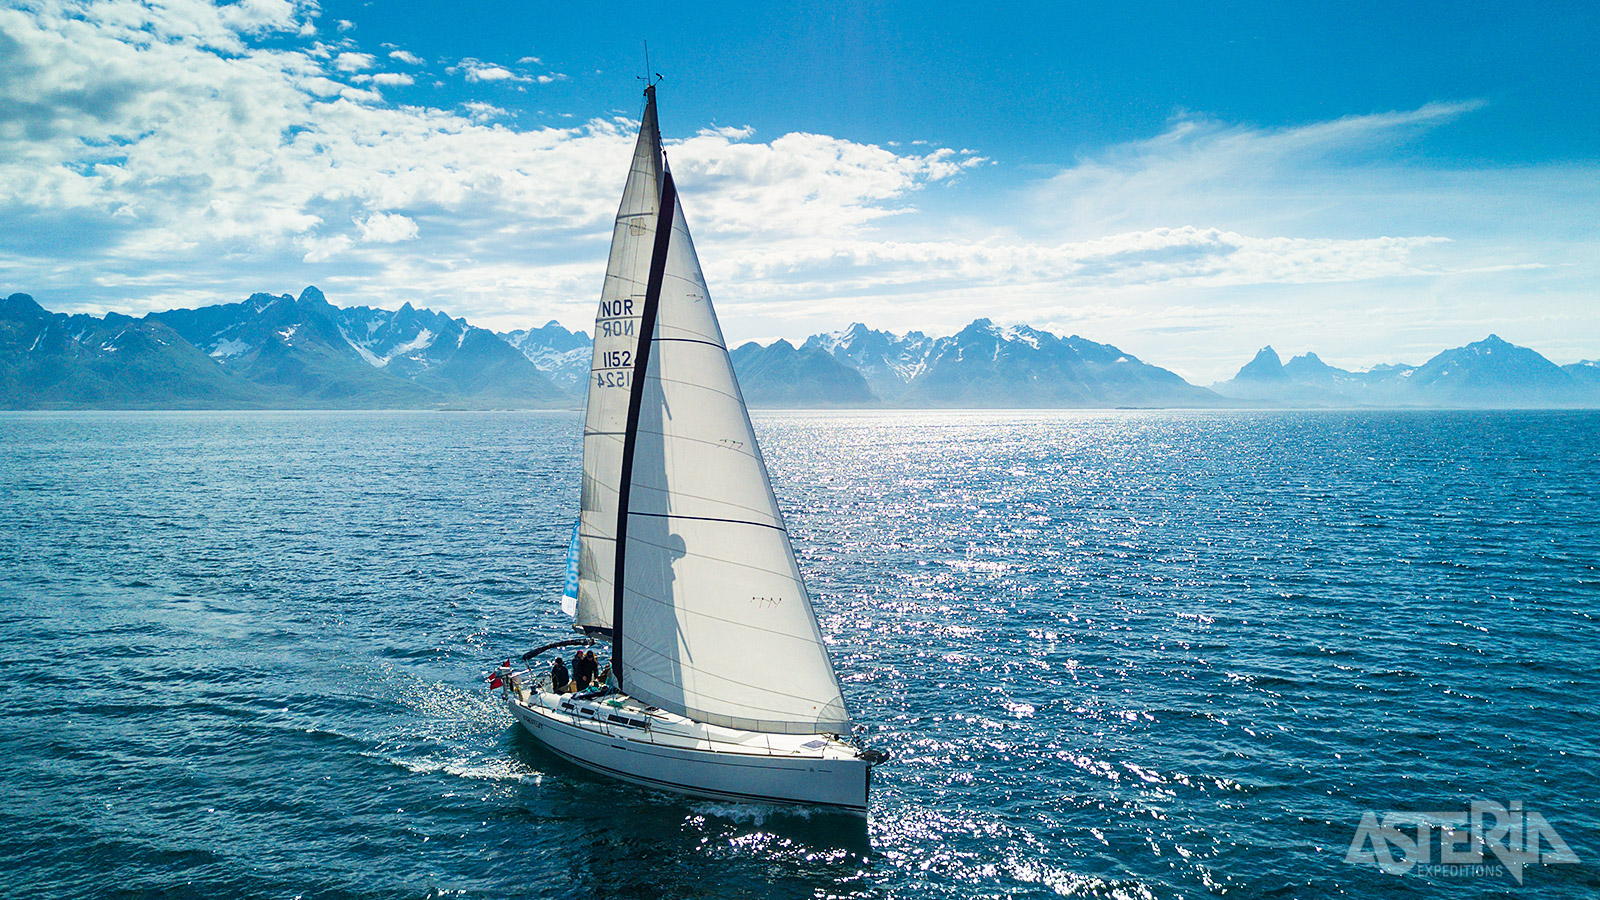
1115	654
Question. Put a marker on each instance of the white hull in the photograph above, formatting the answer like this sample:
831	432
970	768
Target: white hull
678	754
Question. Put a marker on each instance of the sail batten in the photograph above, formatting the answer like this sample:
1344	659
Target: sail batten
714	519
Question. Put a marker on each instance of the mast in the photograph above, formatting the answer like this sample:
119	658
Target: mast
641	363
616	340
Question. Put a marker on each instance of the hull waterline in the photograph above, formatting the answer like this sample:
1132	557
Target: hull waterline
675	754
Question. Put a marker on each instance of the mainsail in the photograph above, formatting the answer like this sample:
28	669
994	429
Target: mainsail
709	613
616	330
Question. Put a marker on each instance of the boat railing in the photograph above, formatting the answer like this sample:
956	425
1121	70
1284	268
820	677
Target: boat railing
538	681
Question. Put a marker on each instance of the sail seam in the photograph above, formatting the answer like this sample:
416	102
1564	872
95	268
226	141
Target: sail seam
701	387
685	495
709	519
692	341
694	440
716	559
671	330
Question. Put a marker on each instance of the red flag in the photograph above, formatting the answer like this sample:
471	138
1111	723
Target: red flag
494	681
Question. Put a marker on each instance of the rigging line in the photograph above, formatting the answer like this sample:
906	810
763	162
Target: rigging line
708	519
647	325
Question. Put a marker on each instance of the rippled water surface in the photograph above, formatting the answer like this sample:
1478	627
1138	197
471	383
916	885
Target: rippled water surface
1119	654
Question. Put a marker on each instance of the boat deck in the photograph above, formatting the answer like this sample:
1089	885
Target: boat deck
617	715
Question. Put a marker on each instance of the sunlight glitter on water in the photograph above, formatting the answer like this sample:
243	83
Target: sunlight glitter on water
1120	654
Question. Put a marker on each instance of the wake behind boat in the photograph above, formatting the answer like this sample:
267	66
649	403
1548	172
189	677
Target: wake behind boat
719	684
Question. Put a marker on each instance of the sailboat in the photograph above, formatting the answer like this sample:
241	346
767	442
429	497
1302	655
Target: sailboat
719	683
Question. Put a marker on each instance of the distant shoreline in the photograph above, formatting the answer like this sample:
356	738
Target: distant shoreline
283	352
806	409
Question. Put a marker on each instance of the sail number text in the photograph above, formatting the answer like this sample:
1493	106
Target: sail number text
616	328
615	369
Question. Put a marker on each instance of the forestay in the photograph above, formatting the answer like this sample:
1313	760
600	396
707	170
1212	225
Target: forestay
616	329
715	621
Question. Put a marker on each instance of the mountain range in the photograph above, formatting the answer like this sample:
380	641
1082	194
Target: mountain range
264	351
1491	373
292	352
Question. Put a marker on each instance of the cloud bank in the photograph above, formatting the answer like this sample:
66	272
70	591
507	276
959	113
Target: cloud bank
157	156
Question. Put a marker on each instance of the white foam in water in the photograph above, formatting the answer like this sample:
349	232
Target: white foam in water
1020	710
485	770
747	813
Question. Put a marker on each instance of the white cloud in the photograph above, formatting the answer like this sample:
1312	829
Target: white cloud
181	160
386	228
203	158
254	16
478	70
1197	246
321	249
354	62
345	25
727	132
482	112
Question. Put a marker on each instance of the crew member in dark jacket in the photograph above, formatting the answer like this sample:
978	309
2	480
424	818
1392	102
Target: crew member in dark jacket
580	672
559	682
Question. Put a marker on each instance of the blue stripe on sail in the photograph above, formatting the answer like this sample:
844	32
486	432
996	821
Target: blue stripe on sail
569	594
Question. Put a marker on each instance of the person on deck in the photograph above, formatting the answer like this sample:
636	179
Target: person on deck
559	682
580	672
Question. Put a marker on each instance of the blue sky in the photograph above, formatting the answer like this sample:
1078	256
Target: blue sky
1374	182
